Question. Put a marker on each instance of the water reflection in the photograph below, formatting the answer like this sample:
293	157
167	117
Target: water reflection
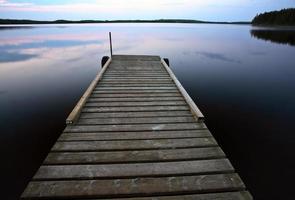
217	56
6	56
8	27
276	36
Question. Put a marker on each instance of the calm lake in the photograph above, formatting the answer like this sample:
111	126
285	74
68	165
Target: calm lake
242	78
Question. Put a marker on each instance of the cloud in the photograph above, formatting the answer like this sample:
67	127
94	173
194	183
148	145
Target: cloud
6	4
214	10
114	5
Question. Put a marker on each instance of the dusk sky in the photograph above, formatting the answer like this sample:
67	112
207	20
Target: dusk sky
213	10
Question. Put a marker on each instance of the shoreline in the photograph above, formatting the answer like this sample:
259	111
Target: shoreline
160	21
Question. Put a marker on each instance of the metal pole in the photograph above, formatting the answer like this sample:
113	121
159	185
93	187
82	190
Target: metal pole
111	46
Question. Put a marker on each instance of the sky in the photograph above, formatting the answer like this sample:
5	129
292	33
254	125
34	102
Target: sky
210	10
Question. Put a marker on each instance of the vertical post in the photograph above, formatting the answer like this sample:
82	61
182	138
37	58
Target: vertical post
111	46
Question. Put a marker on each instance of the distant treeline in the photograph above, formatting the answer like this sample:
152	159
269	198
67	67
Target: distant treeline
25	21
283	17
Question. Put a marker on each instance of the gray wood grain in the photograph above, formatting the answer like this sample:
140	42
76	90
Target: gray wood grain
134	127
135	99
94	171
133	156
241	195
135	95
134	109
133	104
138	92
136	88
136	81
133	144
136	120
136	75
134	135
134	187
135	85
89	115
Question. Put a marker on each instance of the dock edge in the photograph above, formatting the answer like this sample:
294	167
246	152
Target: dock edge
193	107
77	110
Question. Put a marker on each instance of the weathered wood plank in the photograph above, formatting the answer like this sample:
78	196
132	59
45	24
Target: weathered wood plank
136	83
124	104
138	69
133	156
136	72
94	171
150	75
140	92
135	99
137	66
136	57
136	63
88	115
140	65
134	135
123	80
134	127
137	120
134	109
138	79
124	73
136	88
137	76
135	95
134	187
133	144
102	85
241	195
146	66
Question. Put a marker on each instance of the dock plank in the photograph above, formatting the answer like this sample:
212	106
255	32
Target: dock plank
137	92
146	80
138	84
133	104
241	195
135	88
136	120
134	99
134	187
135	109
62	158
133	144
134	127
143	135
134	95
130	170
177	113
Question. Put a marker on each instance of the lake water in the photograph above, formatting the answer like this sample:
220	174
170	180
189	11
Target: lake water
242	79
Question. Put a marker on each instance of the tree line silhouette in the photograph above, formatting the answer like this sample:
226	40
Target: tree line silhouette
282	17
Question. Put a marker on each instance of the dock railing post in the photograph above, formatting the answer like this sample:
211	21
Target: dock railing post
111	46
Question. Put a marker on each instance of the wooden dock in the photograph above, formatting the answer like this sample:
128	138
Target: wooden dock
136	135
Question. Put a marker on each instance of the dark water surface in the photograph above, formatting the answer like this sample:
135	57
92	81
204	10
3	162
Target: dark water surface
242	80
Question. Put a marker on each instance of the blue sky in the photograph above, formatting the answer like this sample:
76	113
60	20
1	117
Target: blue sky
213	10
